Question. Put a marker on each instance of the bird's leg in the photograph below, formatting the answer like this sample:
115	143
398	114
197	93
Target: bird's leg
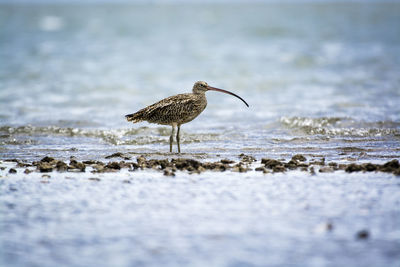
178	139
171	138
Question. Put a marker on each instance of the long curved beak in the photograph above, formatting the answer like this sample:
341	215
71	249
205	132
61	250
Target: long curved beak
226	92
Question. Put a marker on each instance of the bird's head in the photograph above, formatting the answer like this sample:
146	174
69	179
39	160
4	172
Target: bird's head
201	87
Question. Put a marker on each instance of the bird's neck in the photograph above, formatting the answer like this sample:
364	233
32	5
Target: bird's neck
199	92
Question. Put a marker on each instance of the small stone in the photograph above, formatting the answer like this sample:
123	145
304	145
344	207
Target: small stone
76	166
369	167
247	158
119	155
363	234
89	162
333	164
23	164
95	179
98	168
390	166
353	168
279	168
27	171
299	157
12	160
141	160
326	169
227	161
113	165
169	172
45	167
12	170
239	168
291	165
61	166
271	163
46	176
47	159
260	169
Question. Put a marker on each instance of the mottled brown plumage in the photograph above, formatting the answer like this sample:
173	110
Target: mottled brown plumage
177	110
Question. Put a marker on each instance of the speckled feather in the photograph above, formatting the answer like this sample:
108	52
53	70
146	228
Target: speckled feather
177	109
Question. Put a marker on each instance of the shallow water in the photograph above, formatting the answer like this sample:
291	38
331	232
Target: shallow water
326	80
321	79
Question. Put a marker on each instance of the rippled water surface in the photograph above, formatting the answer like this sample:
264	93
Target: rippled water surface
321	79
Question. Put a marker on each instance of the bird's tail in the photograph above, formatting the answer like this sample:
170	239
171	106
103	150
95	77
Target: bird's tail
134	117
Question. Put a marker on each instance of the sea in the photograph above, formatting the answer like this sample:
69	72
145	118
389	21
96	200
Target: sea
322	79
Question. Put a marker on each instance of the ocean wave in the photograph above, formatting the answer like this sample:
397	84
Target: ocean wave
336	126
128	136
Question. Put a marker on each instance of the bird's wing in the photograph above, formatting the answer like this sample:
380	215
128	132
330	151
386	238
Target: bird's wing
171	109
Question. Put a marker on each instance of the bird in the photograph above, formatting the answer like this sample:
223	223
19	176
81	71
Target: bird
177	110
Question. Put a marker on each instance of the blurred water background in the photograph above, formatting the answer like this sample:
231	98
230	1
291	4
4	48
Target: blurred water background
321	77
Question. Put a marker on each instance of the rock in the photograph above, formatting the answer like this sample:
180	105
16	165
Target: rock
12	171
76	166
89	162
98	168
239	168
334	165
47	159
11	160
182	164
113	165
27	171
342	167
169	172
353	168
226	161
279	168
390	166
369	167
291	165
23	164
363	234
61	166
247	158
119	155
45	167
299	157
271	163
326	169
141	160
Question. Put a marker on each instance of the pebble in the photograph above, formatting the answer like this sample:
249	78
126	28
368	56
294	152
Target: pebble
363	234
326	169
